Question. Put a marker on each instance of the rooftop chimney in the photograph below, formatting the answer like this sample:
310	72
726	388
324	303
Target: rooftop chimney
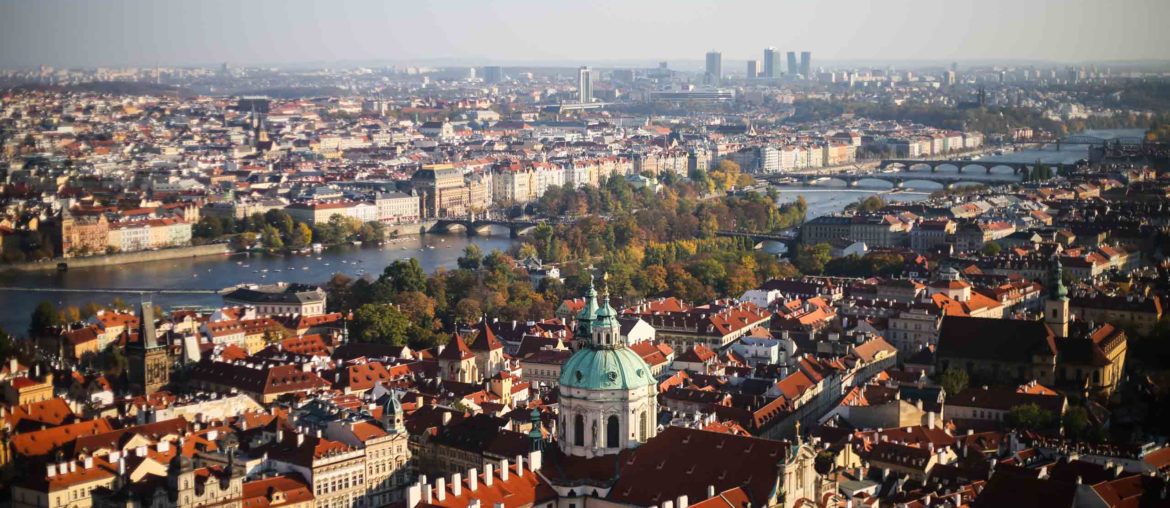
488	474
456	484
441	488
472	479
504	470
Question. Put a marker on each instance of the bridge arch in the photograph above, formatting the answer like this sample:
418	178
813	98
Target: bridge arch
973	167
947	167
522	230
920	184
450	227
1002	169
828	181
920	167
873	181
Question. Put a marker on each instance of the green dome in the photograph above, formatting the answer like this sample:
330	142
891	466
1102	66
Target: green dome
606	369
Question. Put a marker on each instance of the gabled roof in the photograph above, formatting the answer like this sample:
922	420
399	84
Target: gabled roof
457	350
44	442
485	338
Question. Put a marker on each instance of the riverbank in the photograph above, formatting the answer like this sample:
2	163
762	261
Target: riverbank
215	249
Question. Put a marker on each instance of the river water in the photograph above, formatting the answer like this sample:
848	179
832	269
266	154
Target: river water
218	272
432	251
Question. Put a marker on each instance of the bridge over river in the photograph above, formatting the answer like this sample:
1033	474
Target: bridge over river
897	180
483	226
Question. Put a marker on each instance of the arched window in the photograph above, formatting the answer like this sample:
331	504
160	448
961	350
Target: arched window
579	430
642	430
611	432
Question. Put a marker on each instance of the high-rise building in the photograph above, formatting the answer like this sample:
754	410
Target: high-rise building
753	69
493	74
950	78
714	68
792	67
806	64
584	85
772	63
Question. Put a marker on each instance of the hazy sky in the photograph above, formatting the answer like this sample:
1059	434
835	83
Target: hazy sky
166	32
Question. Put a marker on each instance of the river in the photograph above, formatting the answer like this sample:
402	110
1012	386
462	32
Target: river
218	272
432	251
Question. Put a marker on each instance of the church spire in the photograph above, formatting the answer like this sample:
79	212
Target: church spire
1056	288
588	314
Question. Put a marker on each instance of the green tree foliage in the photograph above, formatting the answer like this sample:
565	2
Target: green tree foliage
271	239
955	380
44	316
869	265
406	275
281	220
244	240
991	249
301	237
1076	423
8	346
871	204
1029	416
208	227
812	258
372	231
113	361
380	323
471	258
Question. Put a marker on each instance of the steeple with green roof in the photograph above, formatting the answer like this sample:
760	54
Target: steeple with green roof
585	318
1057	290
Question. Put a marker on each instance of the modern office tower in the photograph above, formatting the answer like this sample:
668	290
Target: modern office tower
584	85
805	64
753	69
493	74
792	68
471	73
950	80
772	63
714	68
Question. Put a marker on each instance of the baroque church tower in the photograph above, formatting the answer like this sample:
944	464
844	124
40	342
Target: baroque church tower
1056	308
607	395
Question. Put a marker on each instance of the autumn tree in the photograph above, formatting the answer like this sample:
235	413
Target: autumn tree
811	259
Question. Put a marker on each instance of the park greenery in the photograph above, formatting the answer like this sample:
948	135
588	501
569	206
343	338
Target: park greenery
276	231
647	243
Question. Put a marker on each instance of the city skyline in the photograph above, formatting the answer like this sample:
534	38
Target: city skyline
138	33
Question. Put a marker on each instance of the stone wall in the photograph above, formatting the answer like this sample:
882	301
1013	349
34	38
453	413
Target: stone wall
217	249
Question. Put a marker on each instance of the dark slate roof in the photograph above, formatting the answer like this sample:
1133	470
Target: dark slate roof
1008	490
1003	340
293	293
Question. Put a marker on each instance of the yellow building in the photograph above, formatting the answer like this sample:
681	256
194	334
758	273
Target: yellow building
27	390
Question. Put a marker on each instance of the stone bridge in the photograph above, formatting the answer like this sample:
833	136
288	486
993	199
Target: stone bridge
897	180
965	166
474	226
789	240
